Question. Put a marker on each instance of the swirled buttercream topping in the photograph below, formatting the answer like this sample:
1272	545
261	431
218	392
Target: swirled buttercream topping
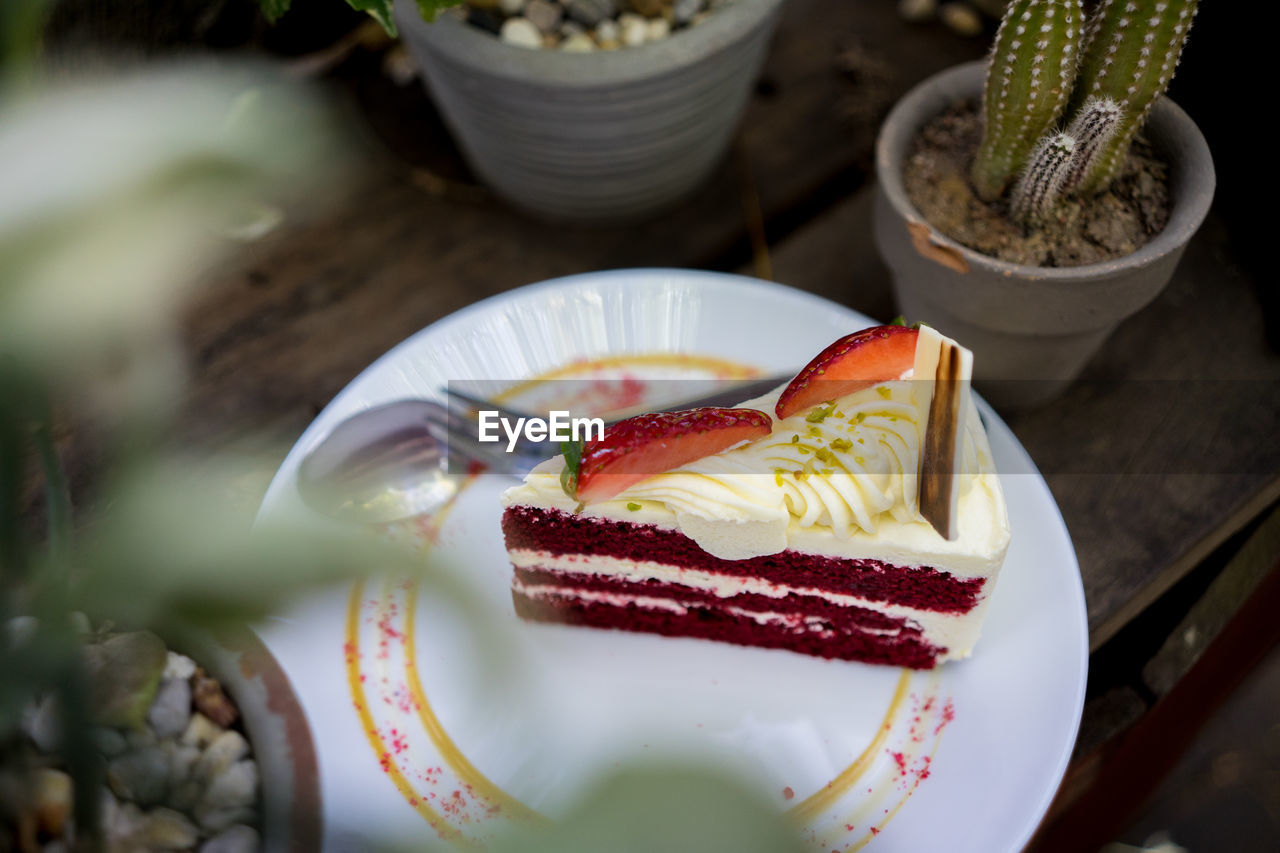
847	468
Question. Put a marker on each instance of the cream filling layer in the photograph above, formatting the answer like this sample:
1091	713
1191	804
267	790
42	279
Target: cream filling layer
794	621
957	632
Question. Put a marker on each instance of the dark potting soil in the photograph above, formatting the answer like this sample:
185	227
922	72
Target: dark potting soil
1109	225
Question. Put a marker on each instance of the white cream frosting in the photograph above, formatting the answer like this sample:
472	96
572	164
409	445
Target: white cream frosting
843	484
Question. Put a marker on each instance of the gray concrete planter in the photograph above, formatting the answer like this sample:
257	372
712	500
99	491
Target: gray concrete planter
594	137
1040	325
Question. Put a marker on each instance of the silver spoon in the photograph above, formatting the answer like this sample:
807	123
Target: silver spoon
380	465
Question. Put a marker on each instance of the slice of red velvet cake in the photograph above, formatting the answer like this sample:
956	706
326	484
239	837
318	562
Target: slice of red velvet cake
854	514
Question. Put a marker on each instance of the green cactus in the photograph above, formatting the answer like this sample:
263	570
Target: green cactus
1093	129
1040	186
1131	51
1033	65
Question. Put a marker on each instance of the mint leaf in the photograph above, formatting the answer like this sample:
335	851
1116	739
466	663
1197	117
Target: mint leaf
898	321
572	451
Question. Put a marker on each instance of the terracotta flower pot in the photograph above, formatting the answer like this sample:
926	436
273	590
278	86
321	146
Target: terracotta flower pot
1038	324
277	729
596	137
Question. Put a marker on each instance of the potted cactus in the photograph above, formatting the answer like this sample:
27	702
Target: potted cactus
1072	204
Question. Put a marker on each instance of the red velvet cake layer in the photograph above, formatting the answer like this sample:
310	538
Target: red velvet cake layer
560	533
803	605
845	641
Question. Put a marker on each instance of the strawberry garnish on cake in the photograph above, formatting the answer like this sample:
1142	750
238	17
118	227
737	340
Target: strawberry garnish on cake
857	361
637	448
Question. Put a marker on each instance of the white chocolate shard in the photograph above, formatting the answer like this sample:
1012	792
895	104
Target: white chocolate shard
943	371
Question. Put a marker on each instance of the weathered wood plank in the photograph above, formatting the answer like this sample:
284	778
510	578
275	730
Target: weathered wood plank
296	318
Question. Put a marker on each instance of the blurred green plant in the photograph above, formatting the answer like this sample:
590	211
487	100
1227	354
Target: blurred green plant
117	197
380	10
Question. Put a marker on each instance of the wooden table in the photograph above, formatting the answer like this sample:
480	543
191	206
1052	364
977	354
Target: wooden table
1164	452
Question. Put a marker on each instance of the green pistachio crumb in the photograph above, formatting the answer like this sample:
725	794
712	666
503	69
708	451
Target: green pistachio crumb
633	506
820	414
795	439
883	391
842	444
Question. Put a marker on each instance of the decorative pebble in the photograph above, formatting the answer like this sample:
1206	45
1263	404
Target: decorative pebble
182	762
228	748
140	738
521	33
657	29
166	829
178	666
607	31
123	671
109	742
217	819
917	11
234	787
578	43
633	29
961	19
141	776
544	15
20	630
121	822
589	13
171	711
560	23
684	11
40	723
184	795
200	732
208	697
51	800
235	839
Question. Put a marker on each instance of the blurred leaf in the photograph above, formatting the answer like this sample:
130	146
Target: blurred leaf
272	10
21	25
123	672
642	810
380	10
430	8
116	198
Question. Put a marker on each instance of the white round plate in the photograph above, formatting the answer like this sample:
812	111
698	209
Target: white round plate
418	723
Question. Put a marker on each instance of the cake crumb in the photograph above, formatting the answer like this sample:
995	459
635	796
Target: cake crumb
787	793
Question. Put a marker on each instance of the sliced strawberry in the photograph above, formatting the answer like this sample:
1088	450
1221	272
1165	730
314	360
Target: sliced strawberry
854	362
639	447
